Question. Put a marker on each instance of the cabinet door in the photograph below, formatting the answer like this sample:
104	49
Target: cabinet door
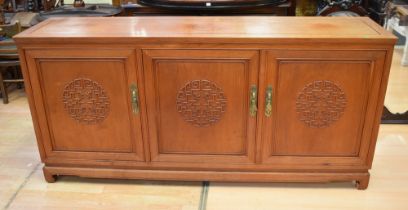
198	105
324	104
83	103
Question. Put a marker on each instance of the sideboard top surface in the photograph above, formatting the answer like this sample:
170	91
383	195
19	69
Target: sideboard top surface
194	29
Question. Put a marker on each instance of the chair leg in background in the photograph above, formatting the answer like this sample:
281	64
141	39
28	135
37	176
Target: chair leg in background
3	89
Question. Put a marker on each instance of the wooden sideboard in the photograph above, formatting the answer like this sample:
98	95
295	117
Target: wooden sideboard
243	99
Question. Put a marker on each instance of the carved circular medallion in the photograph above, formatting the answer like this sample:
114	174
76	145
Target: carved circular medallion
320	103
86	101
201	102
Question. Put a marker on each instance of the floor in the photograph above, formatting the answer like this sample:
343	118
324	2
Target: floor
22	185
396	98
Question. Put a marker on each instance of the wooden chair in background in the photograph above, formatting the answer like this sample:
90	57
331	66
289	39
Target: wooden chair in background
9	62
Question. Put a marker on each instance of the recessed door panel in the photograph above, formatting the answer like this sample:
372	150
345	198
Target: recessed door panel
86	100
319	113
321	106
199	104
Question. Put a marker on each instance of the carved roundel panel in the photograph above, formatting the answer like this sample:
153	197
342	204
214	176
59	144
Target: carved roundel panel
86	101
320	103
201	102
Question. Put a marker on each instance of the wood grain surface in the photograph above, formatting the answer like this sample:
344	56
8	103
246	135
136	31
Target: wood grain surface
216	29
202	95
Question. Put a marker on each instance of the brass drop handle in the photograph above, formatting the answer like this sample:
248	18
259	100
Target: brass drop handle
134	97
268	101
253	100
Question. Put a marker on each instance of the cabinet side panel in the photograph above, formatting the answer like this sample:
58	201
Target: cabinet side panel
25	68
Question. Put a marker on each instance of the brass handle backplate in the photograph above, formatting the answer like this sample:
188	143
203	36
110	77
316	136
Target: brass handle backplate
253	100
268	101
134	94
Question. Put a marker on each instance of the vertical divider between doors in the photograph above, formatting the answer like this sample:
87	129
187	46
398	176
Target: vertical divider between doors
142	97
261	108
